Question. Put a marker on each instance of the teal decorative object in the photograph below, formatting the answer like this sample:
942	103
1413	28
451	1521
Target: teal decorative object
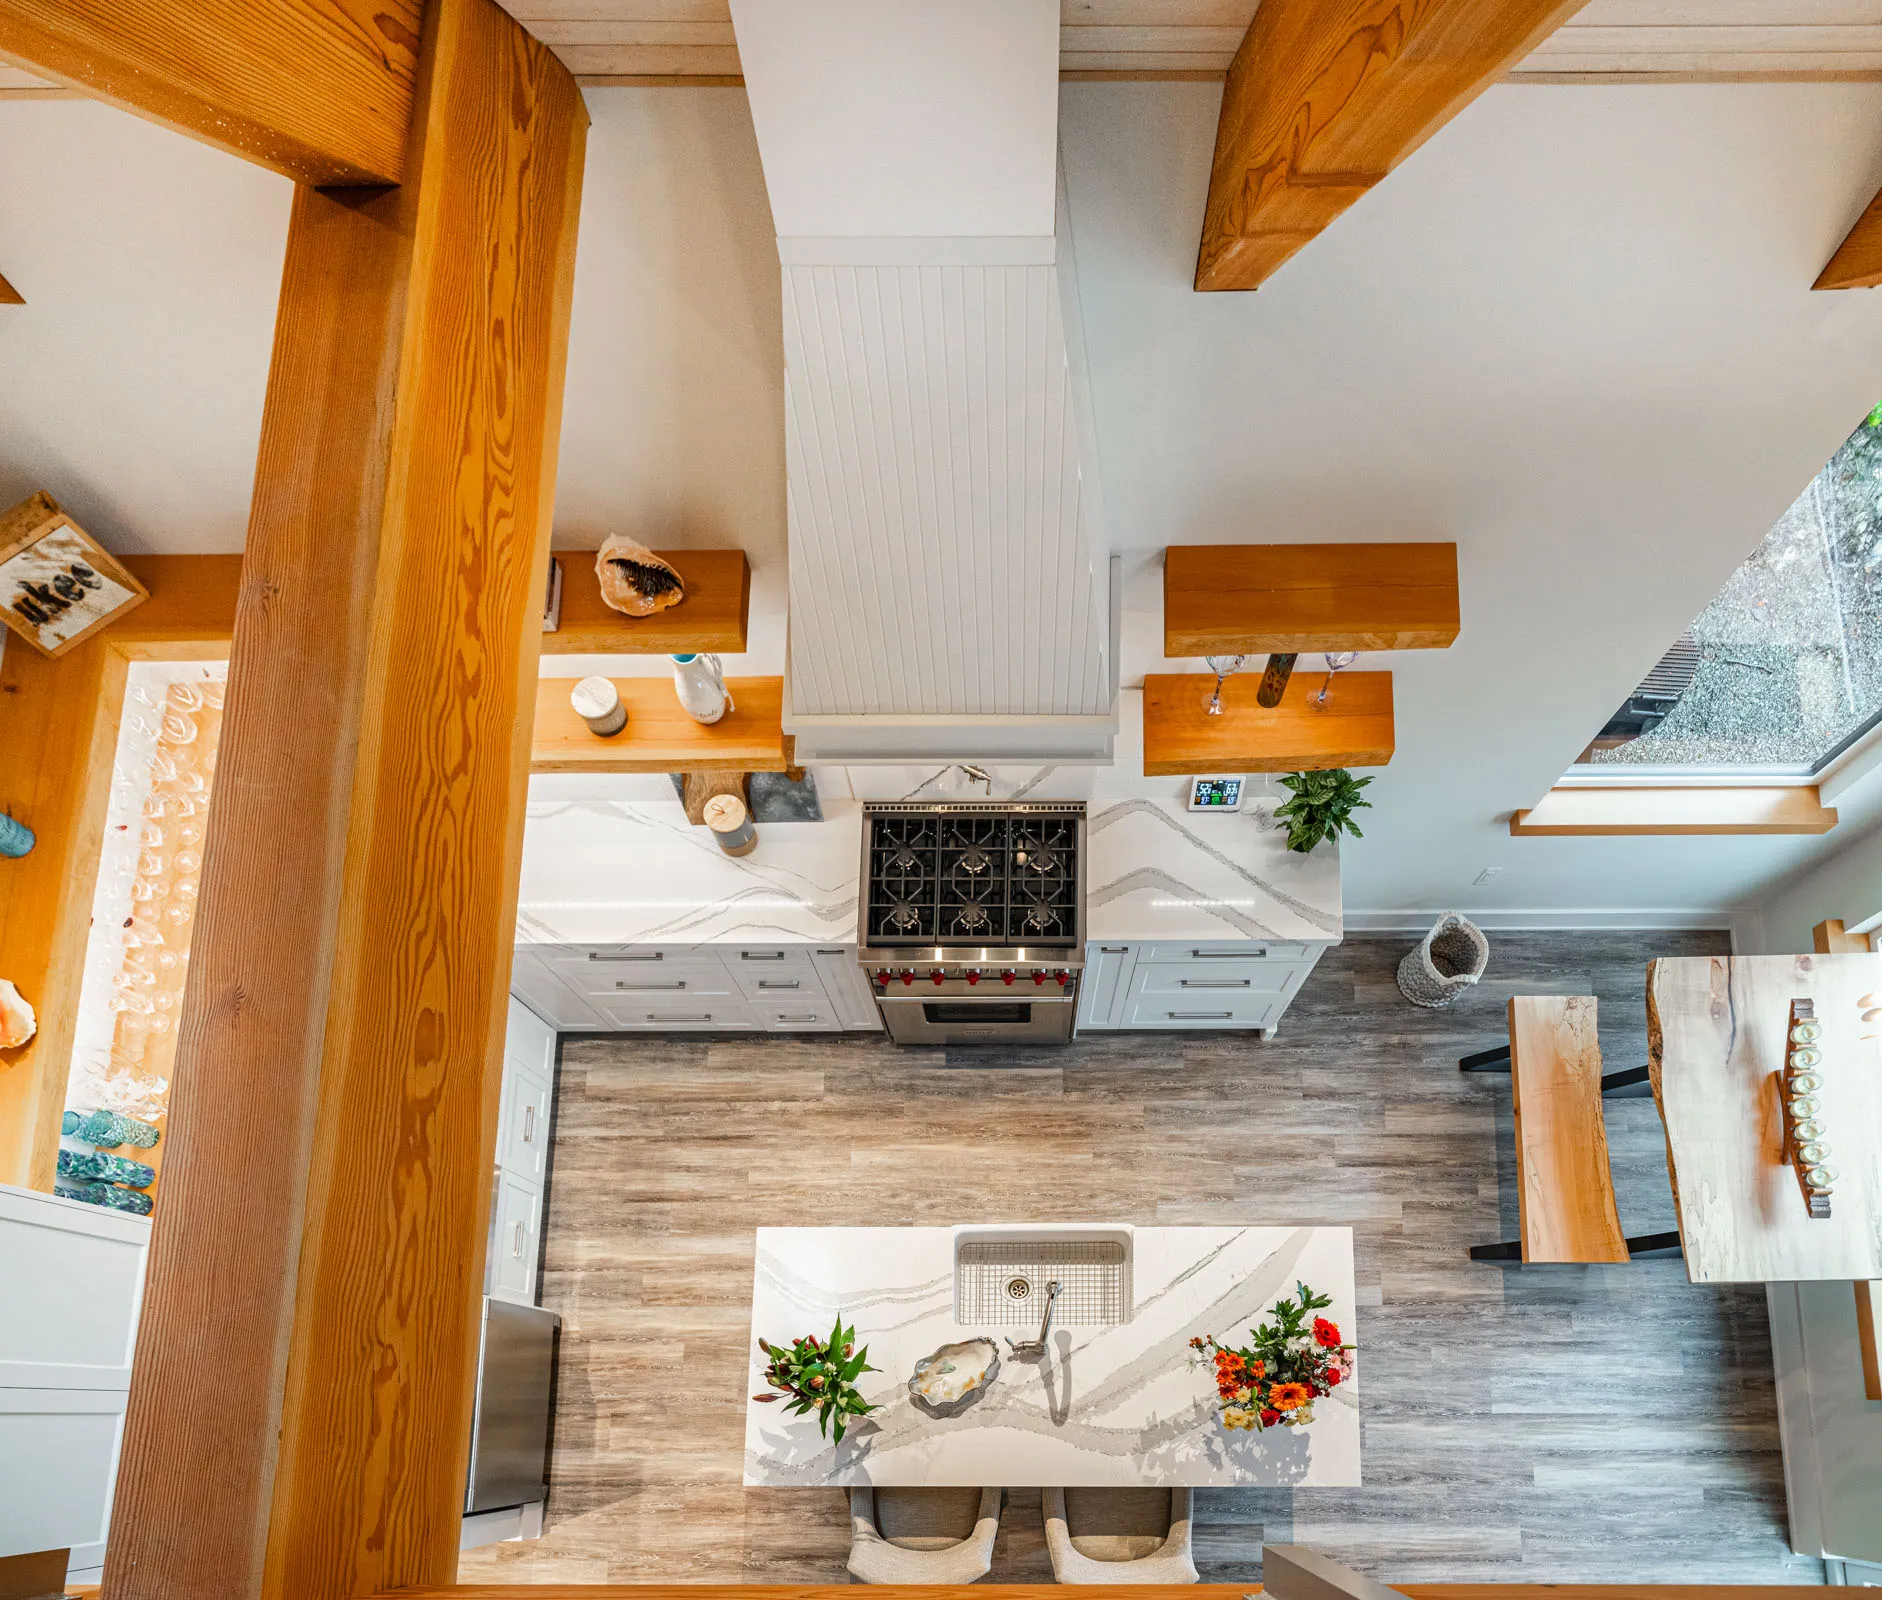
109	1129
15	837
68	1124
100	1168
108	1195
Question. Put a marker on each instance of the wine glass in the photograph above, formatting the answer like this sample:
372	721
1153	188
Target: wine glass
1337	661
1224	667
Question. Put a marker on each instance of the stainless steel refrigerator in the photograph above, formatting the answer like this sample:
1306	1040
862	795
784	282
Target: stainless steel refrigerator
509	1459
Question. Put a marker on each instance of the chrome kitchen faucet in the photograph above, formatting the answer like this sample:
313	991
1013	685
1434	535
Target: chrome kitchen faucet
1032	1349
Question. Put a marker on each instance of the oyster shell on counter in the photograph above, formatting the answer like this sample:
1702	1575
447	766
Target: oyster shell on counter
955	1376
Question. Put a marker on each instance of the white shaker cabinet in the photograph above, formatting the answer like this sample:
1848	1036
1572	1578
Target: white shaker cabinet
513	1252
787	987
74	1277
1194	984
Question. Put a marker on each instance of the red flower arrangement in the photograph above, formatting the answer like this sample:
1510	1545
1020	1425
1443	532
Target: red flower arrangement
1275	1379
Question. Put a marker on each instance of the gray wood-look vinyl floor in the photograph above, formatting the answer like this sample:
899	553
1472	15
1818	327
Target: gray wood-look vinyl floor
1543	1424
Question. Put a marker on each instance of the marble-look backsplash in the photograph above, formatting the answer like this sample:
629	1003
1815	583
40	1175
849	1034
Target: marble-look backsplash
598	871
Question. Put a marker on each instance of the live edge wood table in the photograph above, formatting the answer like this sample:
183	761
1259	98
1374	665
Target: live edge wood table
1716	1028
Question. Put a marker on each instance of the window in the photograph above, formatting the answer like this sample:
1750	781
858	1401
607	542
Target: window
1784	669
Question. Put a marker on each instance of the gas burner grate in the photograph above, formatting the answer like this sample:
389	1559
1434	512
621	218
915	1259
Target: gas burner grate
972	875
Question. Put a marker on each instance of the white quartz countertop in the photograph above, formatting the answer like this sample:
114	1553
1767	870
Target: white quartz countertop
636	872
1128	1403
1155	870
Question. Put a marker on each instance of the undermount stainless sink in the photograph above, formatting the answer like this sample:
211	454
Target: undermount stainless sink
1001	1273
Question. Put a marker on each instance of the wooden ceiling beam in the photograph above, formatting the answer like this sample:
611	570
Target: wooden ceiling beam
320	90
1857	263
339	1053
1325	97
10	296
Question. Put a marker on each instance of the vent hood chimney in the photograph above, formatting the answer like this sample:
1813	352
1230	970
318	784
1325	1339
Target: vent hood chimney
944	588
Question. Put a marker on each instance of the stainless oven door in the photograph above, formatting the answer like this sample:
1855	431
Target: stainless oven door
1004	1018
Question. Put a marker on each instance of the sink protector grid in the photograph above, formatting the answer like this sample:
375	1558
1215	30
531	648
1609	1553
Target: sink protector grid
1003	1283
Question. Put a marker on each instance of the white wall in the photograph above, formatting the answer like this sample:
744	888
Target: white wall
673	420
131	381
1574	334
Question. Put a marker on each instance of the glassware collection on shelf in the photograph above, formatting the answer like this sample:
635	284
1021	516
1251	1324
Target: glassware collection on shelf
150	871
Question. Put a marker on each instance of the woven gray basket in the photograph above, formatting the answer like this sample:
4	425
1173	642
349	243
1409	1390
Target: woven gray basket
1447	961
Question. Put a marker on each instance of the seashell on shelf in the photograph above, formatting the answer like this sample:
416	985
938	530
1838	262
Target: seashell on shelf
17	1022
634	580
955	1376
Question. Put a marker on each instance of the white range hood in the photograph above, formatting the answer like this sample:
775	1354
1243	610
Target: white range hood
946	596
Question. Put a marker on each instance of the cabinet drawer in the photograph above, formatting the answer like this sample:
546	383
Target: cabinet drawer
661	983
515	1237
1251	953
525	1147
547	996
814	1015
608	971
675	1014
1203	1011
1213	979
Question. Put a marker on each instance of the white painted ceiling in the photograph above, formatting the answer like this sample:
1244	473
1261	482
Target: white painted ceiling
1574	333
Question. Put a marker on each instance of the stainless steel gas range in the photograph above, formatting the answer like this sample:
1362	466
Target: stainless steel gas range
973	919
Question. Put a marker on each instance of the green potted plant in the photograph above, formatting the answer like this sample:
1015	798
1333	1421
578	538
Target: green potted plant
819	1375
1321	807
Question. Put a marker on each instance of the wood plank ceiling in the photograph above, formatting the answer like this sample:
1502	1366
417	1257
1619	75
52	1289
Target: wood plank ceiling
605	41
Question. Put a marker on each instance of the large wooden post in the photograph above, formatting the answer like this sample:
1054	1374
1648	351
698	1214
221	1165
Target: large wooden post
299	1414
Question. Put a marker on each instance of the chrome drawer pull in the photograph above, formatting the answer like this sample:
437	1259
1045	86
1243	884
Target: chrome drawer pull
1114	949
516	1246
1201	1016
642	955
780	983
811	1017
529	1124
761	955
1217	983
642	988
1229	955
703	1016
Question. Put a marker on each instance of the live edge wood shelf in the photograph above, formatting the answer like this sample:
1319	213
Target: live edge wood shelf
712	617
1181	739
1237	599
660	736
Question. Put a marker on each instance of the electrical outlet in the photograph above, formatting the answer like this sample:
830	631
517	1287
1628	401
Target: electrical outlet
1488	875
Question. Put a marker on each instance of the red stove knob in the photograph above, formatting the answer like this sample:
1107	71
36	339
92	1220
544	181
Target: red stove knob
1039	975
908	976
1064	979
939	975
882	976
1006	977
973	975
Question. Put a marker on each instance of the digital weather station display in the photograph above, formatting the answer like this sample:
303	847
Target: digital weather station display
1215	794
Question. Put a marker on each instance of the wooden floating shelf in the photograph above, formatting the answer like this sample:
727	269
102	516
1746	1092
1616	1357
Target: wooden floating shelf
1576	812
1237	599
712	617
660	736
1183	740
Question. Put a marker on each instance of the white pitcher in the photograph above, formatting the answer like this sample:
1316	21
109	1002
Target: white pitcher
699	681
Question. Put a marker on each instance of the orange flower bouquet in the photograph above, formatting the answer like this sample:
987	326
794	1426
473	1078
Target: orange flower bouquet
1274	1380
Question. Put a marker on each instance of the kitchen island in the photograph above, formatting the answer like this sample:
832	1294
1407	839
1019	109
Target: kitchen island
1120	1404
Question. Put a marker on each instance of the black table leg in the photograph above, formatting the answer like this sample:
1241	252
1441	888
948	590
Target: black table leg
1497	1060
